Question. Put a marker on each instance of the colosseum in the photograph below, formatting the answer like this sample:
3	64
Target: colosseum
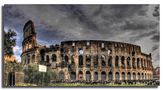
88	60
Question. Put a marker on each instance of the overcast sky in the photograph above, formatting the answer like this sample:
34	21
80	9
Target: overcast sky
55	23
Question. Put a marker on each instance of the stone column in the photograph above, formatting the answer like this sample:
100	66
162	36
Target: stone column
77	72
120	75
99	75
92	75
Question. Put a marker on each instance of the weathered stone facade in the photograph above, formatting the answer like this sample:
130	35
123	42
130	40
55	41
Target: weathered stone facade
88	59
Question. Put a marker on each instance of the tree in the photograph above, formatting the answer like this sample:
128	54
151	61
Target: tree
9	42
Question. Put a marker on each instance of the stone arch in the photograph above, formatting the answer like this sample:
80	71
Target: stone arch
33	58
123	62
116	61
129	76
66	58
110	75
138	62
110	61
80	60
103	75
47	59
61	75
80	75
128	63
103	62
123	75
145	76
95	60
88	60
134	76
88	76
73	75
117	76
53	57
95	76
133	63
27	59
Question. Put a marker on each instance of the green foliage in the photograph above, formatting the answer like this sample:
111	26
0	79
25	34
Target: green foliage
9	42
92	85
33	76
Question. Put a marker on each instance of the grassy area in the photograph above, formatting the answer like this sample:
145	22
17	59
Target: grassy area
101	85
82	85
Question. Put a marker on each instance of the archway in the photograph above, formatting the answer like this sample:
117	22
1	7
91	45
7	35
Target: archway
123	75
103	75
134	76
11	79
110	61
110	76
53	58
129	76
88	76
117	76
80	76
61	75
95	76
116	61
73	75
80	60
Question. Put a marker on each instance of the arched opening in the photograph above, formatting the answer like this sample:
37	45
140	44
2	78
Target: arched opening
142	63
80	60
123	62
66	59
80	75
110	61
61	75
117	76
116	62
95	60
28	59
33	58
138	76
142	76
145	76
103	62
88	61
72	61
73	75
129	76
47	59
138	63
11	79
53	57
88	76
110	76
95	76
103	76
123	76
134	76
128	63
134	65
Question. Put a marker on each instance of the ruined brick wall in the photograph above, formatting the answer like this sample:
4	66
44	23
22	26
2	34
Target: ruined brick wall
101	60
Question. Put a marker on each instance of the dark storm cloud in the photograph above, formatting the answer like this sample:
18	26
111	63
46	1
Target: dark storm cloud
134	25
56	23
155	38
142	35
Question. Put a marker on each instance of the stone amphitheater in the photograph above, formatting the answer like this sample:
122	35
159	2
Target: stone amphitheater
88	60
